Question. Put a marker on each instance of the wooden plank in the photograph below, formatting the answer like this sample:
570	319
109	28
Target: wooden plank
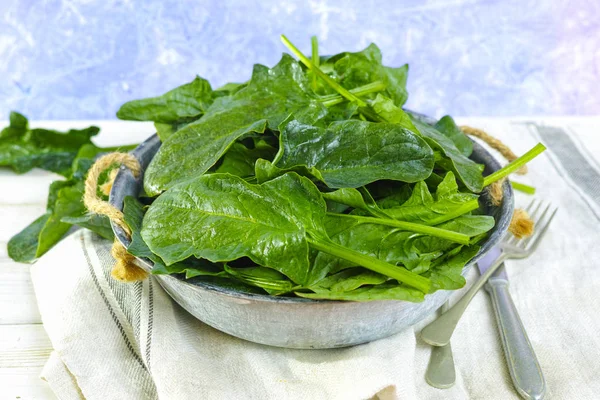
13	218
18	304
24	384
28	188
24	346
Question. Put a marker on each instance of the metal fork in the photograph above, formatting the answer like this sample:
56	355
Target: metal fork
439	332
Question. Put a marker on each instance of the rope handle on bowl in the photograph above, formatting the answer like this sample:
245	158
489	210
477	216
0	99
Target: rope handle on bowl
125	268
521	225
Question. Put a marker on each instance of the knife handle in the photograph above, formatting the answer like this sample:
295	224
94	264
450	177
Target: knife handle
522	363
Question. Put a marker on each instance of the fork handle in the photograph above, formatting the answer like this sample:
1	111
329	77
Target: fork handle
522	363
439	332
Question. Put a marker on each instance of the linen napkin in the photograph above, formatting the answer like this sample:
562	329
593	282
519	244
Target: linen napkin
131	341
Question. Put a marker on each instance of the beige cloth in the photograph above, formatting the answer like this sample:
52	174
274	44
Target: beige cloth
131	341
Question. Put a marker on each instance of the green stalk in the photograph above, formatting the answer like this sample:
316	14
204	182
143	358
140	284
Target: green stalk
372	87
463	209
339	88
515	165
522	187
315	59
411	227
401	274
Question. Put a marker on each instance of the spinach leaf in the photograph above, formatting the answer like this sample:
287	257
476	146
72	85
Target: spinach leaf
23	149
265	171
347	280
469	172
64	209
269	98
240	160
187	101
272	281
422	207
23	246
448	127
165	130
357	69
221	217
354	198
384	291
447	273
354	153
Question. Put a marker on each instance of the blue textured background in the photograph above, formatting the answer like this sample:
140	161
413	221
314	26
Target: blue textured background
79	59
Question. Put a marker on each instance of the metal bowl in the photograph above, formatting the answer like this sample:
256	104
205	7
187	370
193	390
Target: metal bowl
296	322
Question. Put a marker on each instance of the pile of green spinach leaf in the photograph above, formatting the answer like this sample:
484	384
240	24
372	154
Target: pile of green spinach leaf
307	180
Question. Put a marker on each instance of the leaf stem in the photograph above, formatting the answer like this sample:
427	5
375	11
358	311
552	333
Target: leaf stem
372	87
463	209
315	59
515	165
401	274
411	227
339	88
522	187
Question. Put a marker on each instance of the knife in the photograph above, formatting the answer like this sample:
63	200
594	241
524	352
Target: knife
523	365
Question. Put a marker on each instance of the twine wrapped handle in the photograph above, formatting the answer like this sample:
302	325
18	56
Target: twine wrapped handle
125	268
521	225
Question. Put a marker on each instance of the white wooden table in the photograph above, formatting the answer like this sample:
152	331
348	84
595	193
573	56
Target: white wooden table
24	345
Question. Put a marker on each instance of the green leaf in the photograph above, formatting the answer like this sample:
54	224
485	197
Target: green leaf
99	224
447	274
18	126
23	246
347	280
187	101
22	149
421	207
166	130
387	111
265	171
353	153
354	198
221	218
448	127
385	291
63	210
357	69
273	282
269	98
465	169
240	160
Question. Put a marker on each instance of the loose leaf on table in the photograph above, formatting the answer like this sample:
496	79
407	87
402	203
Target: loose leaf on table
269	98
23	149
64	209
354	153
185	102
